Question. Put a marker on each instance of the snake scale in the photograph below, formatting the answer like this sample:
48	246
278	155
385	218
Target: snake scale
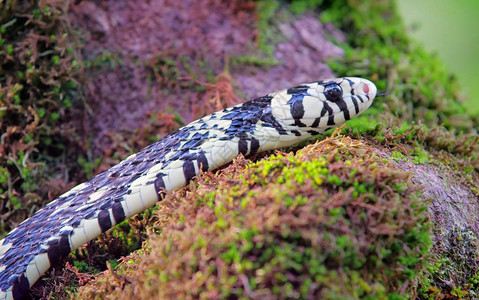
276	120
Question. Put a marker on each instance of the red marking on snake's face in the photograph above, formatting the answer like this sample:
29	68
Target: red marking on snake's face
366	89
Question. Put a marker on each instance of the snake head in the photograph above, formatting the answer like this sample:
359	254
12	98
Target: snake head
318	106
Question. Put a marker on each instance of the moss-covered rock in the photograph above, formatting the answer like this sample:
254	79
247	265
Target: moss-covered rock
334	220
388	209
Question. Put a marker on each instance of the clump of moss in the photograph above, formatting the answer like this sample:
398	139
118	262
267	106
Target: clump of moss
38	79
459	254
332	220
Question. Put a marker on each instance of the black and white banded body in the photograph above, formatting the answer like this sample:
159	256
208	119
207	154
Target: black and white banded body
277	120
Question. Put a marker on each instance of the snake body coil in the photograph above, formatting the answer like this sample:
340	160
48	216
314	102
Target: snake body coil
277	120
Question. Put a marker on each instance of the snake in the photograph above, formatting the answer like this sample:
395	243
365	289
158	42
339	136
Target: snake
277	120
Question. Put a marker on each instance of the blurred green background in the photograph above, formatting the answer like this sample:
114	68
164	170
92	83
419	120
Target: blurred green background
451	29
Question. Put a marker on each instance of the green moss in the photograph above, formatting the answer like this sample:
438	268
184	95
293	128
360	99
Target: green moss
416	156
84	267
321	222
37	93
104	59
88	166
266	12
299	226
270	61
420	156
398	156
378	47
458	254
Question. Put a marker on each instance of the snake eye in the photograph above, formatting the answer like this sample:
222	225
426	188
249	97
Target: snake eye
333	92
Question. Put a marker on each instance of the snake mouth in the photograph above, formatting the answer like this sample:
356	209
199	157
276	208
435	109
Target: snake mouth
352	109
363	105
